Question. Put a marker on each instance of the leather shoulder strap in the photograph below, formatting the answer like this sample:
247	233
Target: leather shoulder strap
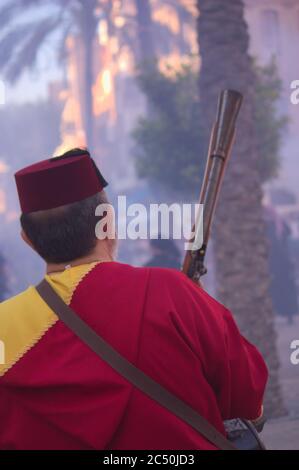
125	368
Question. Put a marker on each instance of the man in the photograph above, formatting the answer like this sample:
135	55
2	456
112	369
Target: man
55	392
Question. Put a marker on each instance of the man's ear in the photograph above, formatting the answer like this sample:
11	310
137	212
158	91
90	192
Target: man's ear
26	239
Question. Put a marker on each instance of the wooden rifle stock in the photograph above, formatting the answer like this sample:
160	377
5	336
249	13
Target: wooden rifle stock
221	141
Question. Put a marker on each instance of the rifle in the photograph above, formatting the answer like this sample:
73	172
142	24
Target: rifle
221	142
240	431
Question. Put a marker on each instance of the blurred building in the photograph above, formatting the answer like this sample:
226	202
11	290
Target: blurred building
274	33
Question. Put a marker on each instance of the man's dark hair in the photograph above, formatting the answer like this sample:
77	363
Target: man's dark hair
65	233
75	152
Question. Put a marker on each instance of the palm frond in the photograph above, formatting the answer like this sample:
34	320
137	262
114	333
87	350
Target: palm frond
8	11
15	8
27	53
11	41
21	42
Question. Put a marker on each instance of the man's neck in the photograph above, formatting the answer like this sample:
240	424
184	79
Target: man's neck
98	256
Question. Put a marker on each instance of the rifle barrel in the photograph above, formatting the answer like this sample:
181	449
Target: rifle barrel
221	141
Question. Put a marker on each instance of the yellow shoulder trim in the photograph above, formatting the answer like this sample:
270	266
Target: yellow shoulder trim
25	318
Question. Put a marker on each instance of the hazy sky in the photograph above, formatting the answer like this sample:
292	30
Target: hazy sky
31	87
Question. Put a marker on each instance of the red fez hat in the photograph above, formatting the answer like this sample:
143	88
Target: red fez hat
58	181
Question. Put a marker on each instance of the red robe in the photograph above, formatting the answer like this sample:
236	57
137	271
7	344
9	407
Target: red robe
61	395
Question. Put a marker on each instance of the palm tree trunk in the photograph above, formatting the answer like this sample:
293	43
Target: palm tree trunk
241	250
145	32
88	30
146	51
